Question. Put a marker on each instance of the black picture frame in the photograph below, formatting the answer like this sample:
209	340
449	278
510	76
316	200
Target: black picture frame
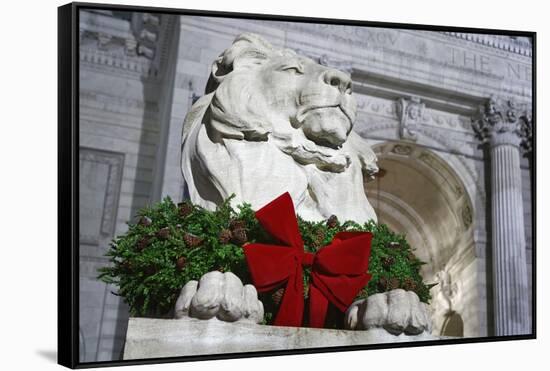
68	182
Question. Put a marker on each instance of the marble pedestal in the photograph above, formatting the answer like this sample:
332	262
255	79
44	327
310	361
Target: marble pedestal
150	338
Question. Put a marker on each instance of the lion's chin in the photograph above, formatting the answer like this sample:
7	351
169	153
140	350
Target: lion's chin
326	127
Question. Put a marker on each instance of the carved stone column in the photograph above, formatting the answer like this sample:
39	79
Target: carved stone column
502	127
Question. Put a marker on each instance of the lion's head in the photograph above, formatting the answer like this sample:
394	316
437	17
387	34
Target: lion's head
273	121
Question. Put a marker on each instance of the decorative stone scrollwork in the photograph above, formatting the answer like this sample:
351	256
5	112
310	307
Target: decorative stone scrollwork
150	18
504	122
467	216
103	40
526	131
148	35
410	113
402	150
146	28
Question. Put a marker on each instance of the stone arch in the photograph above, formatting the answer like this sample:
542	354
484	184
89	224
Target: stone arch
418	193
437	142
421	195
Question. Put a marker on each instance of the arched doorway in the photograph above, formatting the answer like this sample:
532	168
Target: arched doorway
418	194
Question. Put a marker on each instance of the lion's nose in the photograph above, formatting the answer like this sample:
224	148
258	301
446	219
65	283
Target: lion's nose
338	79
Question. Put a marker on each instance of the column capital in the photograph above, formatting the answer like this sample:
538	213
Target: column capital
504	121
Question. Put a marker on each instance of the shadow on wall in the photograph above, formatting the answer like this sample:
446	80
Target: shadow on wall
453	325
157	98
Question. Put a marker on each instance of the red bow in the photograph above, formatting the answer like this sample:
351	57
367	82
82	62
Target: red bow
338	270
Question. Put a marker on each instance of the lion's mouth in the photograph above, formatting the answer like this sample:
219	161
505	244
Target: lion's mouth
308	152
327	126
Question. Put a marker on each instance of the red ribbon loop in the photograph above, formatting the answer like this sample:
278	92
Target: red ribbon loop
338	270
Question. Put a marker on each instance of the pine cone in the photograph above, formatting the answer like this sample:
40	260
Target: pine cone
239	236
180	263
225	236
394	245
332	221
318	239
143	243
185	209
388	261
127	266
237	224
393	284
191	240
277	296
382	284
409	284
150	270
145	221
163	233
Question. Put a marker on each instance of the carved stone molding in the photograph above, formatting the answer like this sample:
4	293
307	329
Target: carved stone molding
518	45
410	112
112	166
402	150
467	216
147	28
504	121
526	131
131	41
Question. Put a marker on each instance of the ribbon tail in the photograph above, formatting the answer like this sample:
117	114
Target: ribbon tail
291	310
318	306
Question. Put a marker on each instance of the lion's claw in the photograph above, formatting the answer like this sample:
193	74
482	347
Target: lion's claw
397	311
220	295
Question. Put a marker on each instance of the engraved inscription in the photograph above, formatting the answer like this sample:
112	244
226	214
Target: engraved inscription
468	59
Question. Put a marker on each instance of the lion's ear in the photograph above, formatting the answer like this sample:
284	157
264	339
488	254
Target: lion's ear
247	51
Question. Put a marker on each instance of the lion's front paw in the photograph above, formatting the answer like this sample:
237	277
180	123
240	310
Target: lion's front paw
220	295
397	311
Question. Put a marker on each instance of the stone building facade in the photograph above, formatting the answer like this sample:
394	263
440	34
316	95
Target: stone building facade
448	114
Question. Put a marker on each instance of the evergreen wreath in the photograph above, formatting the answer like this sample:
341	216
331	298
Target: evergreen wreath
171	244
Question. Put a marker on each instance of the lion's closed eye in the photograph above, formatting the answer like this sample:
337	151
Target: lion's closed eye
293	68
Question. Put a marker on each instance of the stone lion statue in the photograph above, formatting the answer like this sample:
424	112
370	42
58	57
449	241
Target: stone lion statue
273	121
